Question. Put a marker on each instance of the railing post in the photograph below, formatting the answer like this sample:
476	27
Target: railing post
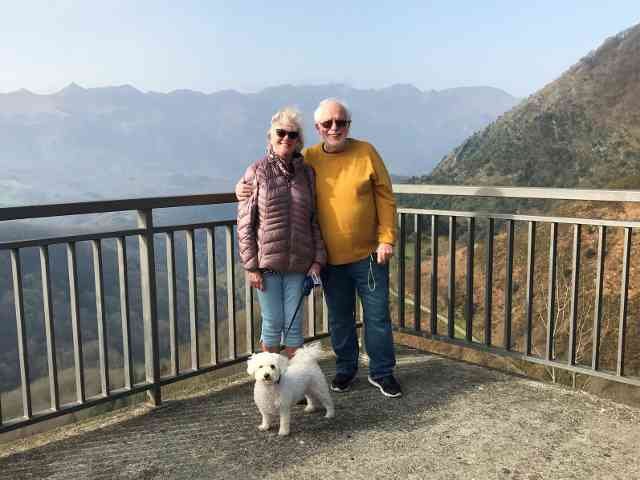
551	305
575	295
508	288
213	299
248	310
451	291
231	296
23	352
417	275
434	274
597	312
149	307
488	284
193	298
469	306
401	266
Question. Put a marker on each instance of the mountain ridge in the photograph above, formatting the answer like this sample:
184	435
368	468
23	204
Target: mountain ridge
581	130
119	141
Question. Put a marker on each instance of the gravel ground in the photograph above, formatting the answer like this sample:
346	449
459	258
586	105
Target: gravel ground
455	421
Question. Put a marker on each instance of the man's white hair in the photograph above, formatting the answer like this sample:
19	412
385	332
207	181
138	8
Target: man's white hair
288	116
317	115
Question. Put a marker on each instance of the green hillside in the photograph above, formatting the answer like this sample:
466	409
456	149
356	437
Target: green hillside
582	130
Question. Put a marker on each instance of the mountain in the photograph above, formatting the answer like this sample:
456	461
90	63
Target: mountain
582	130
82	144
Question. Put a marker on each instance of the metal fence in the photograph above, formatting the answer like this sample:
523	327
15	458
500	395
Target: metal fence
447	311
451	315
149	237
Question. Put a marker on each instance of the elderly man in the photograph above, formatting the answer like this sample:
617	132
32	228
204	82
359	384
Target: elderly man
356	212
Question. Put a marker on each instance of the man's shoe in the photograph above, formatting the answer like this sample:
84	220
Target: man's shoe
342	382
388	385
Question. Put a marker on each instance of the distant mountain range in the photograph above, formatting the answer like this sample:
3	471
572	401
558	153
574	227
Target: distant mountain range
582	130
113	142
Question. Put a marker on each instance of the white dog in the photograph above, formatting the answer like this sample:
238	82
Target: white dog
280	383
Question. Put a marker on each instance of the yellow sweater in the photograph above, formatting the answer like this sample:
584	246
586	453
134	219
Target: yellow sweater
356	206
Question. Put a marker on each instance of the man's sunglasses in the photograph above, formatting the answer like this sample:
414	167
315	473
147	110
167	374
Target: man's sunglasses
339	123
281	133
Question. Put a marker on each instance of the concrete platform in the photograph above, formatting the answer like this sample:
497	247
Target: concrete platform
456	421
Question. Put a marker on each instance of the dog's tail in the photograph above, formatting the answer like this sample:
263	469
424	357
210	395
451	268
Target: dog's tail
309	353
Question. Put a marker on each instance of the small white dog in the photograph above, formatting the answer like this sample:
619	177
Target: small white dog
280	383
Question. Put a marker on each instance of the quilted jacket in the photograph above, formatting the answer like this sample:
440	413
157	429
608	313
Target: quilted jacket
277	226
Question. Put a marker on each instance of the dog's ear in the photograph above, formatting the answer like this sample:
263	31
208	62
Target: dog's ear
251	365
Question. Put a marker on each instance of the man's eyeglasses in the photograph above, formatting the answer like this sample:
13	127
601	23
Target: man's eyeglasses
281	133
339	124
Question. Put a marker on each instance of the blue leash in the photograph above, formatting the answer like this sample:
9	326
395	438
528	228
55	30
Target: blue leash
308	284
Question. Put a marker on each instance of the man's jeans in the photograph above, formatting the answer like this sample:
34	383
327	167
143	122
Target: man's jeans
371	281
278	303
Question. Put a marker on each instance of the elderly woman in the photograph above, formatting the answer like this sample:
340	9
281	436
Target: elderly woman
279	236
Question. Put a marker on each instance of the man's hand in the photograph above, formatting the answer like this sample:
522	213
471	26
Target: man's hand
384	253
255	280
243	190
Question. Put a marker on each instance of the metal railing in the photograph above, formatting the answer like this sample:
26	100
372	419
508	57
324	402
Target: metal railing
437	238
149	238
567	340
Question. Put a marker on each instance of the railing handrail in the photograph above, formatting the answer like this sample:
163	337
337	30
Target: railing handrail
585	194
120	205
128	204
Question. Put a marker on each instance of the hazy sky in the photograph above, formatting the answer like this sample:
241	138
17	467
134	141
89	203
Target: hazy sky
248	45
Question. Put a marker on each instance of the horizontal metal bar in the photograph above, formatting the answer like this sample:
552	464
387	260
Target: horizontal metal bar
523	218
41	242
104	206
115	394
192	226
521	356
65	409
167	380
522	192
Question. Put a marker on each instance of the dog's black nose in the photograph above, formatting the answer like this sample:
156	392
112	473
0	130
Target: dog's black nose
267	376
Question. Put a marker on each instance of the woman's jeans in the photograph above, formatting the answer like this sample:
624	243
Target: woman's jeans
371	281
278	302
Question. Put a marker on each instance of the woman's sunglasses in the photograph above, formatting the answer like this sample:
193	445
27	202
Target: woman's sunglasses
339	123
281	133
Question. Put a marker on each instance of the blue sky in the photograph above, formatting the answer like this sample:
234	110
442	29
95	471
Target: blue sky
248	45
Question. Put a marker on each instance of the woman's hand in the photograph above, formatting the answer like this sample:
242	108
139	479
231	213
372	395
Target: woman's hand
255	280
243	190
314	269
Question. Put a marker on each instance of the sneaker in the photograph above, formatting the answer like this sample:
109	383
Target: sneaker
342	382
388	385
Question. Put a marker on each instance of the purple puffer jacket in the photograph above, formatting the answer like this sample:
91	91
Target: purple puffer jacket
277	226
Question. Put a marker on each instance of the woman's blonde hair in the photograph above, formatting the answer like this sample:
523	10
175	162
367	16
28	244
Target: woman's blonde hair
291	116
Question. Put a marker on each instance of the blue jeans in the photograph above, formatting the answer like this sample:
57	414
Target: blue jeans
278	302
371	282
